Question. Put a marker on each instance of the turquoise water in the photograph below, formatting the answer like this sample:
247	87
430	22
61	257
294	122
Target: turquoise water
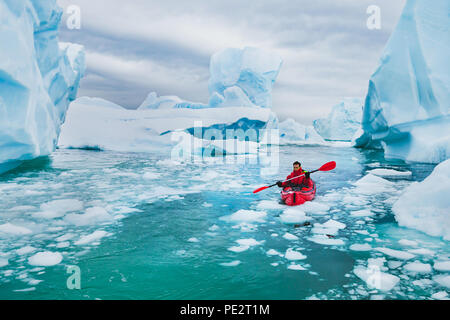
166	238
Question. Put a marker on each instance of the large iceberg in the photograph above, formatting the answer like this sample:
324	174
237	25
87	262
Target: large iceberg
343	121
425	205
407	107
39	77
237	113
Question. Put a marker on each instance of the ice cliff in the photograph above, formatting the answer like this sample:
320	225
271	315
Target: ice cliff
406	111
39	77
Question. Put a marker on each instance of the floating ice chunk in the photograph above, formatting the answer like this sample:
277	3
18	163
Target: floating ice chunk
12	229
273	252
64	244
269	205
93	237
422	251
402	255
325	240
151	175
333	224
371	184
296	267
362	213
92	216
443	280
406	242
389	173
294	255
249	242
231	264
363	232
315	208
361	247
376	279
294	215
394	264
207	205
289	236
239	248
3	262
214	228
326	231
417	267
442	265
246	216
58	208
25	250
441	295
45	259
193	240
429	212
67	236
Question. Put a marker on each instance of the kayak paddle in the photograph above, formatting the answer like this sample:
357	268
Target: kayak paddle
326	167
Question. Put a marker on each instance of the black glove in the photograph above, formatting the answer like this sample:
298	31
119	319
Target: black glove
307	175
280	184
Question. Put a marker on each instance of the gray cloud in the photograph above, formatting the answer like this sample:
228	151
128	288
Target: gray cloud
165	46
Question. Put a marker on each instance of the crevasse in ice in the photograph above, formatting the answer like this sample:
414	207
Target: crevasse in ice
39	77
407	107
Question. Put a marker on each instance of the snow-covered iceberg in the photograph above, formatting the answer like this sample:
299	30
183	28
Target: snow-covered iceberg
425	205
343	121
407	107
237	113
39	77
99	124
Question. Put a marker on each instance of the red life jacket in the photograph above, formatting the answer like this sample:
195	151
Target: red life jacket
301	180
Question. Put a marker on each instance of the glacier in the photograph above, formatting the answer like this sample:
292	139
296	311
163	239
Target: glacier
292	132
406	111
39	77
343	121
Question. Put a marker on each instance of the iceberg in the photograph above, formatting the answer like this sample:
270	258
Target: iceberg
292	132
39	77
243	77
343	121
425	205
406	111
236	119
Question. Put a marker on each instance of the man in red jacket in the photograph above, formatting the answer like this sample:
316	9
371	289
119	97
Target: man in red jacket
303	179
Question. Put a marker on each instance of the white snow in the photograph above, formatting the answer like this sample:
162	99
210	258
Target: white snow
45	259
325	240
428	212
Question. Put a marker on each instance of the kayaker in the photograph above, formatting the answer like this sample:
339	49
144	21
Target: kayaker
303	179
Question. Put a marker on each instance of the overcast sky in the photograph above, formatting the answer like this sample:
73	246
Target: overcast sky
138	46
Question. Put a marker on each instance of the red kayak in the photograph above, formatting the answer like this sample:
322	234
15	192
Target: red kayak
294	196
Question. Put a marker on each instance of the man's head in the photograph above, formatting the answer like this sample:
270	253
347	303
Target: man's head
297	166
